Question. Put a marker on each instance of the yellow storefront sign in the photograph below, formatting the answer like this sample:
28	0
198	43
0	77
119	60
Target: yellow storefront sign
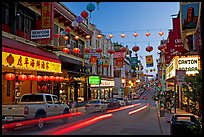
25	62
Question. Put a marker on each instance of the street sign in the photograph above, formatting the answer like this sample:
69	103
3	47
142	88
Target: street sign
180	75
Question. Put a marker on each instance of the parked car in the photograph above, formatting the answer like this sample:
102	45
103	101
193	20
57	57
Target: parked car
128	101
112	103
181	123
121	101
34	106
96	105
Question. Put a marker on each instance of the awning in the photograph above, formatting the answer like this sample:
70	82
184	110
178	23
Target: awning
15	47
71	60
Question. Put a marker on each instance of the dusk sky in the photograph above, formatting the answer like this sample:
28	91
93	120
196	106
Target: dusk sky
130	17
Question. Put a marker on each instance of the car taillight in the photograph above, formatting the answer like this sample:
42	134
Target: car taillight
26	110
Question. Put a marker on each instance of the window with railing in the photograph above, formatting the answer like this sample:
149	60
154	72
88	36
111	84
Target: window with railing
6	17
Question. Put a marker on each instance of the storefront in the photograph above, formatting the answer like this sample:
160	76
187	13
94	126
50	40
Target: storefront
24	60
104	90
191	64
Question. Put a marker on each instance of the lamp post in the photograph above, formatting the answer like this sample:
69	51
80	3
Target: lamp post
123	82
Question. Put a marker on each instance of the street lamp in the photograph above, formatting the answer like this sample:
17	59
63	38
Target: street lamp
123	82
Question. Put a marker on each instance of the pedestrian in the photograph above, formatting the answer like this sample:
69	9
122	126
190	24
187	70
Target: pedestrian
73	105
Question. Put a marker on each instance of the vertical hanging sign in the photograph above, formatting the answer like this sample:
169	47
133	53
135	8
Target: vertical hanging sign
47	17
149	61
189	19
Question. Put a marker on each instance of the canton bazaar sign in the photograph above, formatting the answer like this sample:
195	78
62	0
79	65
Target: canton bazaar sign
25	62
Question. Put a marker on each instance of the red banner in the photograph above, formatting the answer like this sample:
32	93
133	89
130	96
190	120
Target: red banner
93	60
47	17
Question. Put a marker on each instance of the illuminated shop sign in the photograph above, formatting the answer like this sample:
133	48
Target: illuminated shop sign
94	80
105	83
188	64
170	70
25	62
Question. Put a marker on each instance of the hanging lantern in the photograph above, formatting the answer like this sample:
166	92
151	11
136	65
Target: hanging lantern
31	77
76	37
88	37
45	78
38	78
57	78
66	37
68	29
123	49
84	14
150	70
61	79
161	33
75	23
98	50
147	34
57	35
99	36
111	51
87	50
44	88
122	35
10	76
22	77
90	7
38	87
161	47
79	19
135	48
149	48
135	34
51	78
65	50
76	50
110	35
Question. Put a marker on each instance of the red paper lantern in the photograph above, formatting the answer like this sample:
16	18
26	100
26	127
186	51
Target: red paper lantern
61	79
135	48
65	50
88	37
99	36
10	76
161	33
76	50
135	34
87	50
98	50
51	78
45	78
66	37
76	37
110	35
147	34
38	78
122	35
57	35
149	48
111	51
161	47
123	49
84	14
44	88
22	77
31	77
68	29
38	87
57	78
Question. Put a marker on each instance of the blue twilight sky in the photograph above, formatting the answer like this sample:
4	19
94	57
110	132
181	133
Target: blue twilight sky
130	17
